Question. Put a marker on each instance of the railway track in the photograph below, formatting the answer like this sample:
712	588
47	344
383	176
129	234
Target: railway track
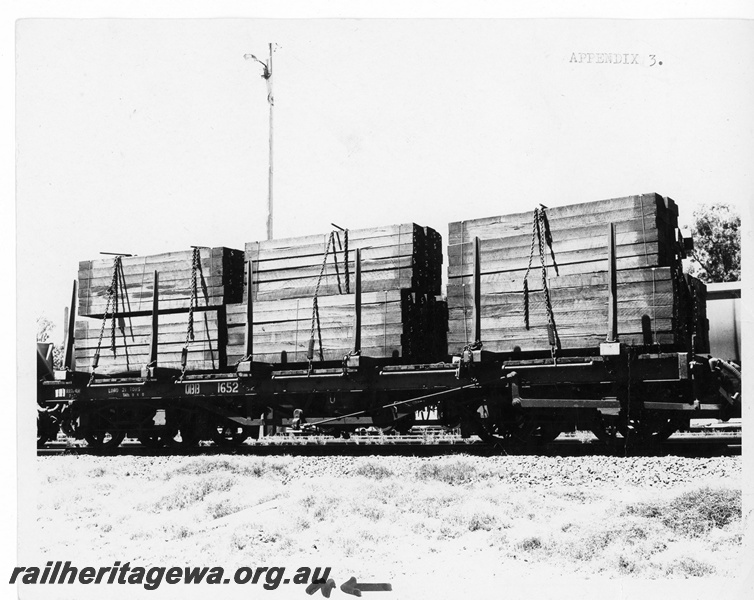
682	444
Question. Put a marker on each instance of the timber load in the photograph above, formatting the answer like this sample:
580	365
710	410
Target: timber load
219	273
303	296
194	288
541	281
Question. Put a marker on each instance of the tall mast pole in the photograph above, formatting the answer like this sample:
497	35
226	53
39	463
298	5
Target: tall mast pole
267	76
271	100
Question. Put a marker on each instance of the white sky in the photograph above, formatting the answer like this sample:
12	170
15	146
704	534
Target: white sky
148	136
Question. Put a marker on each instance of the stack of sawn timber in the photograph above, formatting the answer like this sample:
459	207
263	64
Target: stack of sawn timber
401	271
219	282
653	305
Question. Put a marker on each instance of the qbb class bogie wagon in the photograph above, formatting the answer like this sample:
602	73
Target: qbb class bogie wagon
570	318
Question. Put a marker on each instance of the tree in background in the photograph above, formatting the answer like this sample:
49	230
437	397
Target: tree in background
45	327
716	257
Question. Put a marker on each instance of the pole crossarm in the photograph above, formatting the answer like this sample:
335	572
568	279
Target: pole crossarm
267	76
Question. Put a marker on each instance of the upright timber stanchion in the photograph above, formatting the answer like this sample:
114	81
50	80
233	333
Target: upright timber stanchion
611	345
149	370
249	330
357	304
69	334
247	365
477	293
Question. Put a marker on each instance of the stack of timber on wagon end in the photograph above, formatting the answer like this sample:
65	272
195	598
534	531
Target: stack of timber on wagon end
656	304
219	278
401	272
219	281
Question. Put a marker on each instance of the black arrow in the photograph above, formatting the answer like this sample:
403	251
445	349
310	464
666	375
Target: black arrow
325	586
351	587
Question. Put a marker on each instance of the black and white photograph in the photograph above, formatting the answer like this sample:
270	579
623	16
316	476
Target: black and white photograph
385	307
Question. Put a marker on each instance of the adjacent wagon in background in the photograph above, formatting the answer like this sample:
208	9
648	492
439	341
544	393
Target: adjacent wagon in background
724	316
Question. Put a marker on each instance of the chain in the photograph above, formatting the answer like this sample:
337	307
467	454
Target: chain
534	232
552	333
319	332
112	294
195	265
315	305
540	232
114	291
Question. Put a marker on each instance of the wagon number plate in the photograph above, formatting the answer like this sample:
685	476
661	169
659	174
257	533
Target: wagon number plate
223	387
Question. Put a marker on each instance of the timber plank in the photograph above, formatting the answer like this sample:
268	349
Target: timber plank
167	307
580	280
332	317
624	220
367	299
588	321
585	239
206	349
371	266
306	287
650	206
354	236
577	268
648	255
659	292
83	331
173	272
513	280
538	335
367	253
342	336
494	260
490	314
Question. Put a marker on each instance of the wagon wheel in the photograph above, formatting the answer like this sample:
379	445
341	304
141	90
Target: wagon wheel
185	437
657	429
105	440
152	440
610	430
182	430
43	427
227	433
517	431
48	423
42	439
548	432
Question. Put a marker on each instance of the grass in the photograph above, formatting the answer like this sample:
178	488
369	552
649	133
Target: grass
696	512
425	516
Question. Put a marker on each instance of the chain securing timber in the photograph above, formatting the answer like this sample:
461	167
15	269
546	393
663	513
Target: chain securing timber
196	270
112	300
315	304
541	238
316	326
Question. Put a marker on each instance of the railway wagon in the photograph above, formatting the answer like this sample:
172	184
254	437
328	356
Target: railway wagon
575	317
